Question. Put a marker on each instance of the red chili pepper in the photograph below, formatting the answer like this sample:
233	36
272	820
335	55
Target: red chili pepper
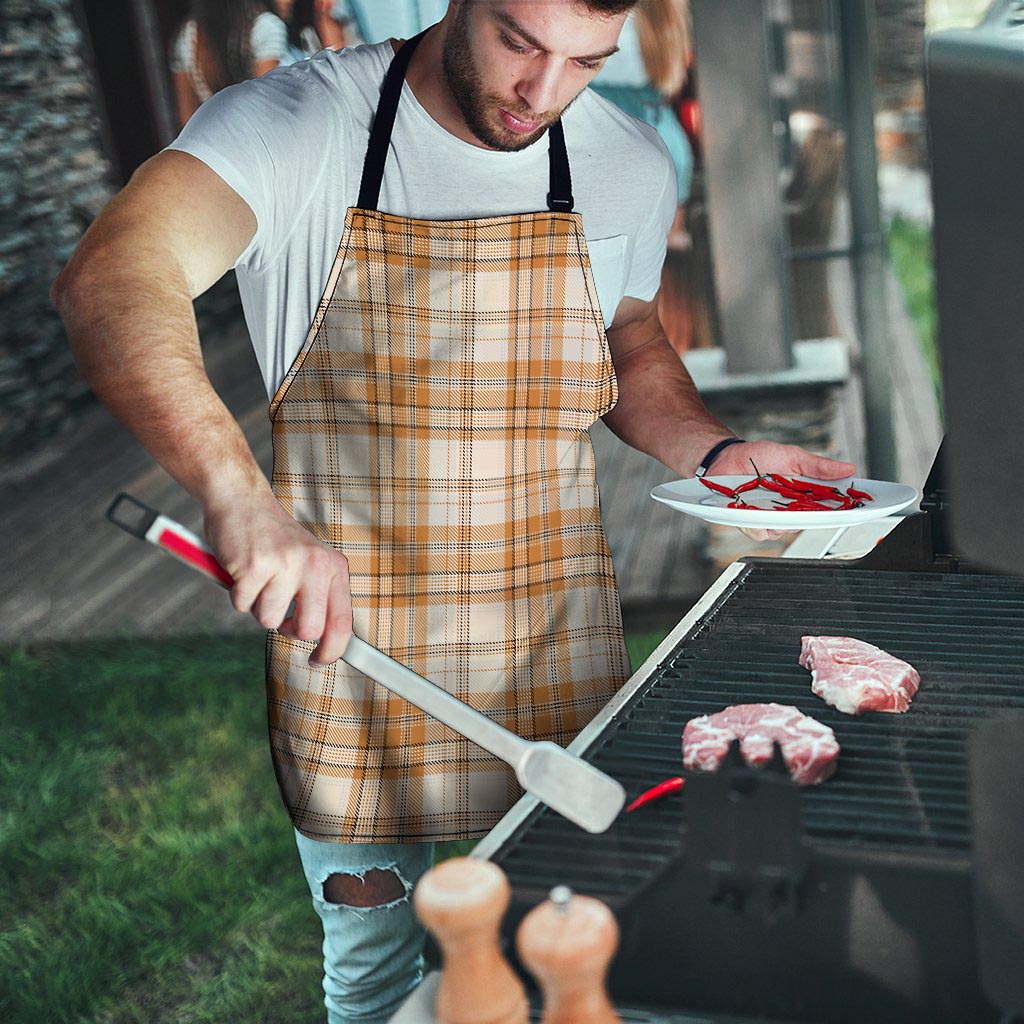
808	487
793	485
749	485
806	505
739	503
863	495
720	488
787	492
656	793
773	485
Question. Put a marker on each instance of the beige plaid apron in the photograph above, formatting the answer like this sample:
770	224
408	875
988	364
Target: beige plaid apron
434	429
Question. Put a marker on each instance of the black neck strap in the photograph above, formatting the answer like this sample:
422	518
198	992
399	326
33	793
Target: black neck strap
560	194
383	122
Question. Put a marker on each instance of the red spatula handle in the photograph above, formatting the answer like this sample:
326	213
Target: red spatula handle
147	524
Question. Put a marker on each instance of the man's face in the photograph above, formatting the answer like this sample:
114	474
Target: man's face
513	66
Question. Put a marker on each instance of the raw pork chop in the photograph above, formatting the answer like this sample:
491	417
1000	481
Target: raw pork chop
809	748
855	677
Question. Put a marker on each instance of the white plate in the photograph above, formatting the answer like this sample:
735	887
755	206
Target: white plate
693	498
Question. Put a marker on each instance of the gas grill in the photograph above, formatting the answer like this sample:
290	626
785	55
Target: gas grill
747	896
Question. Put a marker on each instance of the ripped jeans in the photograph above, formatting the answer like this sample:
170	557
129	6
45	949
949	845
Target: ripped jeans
372	950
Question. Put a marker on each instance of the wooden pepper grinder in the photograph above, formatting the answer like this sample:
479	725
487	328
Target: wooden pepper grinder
462	902
567	943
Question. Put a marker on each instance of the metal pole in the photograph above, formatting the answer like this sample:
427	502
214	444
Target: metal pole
745	221
154	67
867	236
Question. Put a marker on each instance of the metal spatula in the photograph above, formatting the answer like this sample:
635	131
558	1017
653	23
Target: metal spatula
564	782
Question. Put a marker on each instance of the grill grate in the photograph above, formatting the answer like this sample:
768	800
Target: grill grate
902	779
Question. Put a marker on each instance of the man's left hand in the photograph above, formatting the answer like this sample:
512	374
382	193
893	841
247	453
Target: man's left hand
771	457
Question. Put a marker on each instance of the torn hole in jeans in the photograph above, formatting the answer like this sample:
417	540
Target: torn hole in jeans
373	889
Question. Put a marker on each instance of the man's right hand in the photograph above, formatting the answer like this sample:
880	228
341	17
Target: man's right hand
275	561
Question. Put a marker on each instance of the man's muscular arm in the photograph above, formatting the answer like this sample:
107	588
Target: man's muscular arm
659	410
126	300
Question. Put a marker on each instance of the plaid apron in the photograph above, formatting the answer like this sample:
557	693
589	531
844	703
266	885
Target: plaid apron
434	429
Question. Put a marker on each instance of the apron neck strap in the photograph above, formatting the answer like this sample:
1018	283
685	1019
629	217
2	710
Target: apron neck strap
383	122
559	198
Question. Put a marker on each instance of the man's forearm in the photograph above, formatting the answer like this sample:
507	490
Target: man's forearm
133	333
126	298
660	411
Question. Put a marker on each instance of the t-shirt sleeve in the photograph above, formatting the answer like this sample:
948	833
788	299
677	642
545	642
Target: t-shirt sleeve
269	38
651	241
269	140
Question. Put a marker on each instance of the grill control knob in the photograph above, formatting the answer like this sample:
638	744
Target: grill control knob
462	902
567	943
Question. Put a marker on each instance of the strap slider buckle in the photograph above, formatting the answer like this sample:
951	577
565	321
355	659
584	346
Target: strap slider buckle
560	204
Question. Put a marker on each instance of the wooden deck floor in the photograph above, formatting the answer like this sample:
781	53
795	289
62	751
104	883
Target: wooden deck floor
77	575
72	575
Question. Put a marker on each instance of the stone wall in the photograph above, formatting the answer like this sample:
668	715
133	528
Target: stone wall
54	178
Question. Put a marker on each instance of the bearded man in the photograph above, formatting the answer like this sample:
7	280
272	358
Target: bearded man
432	377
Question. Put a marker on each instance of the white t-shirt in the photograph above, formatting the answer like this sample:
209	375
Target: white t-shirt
292	144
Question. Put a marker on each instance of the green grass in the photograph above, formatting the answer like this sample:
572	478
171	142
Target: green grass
910	246
152	874
641	646
147	868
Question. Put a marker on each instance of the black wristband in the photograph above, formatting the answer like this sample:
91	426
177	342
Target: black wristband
705	463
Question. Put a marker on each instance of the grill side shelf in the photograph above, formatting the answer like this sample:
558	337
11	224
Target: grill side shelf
525	813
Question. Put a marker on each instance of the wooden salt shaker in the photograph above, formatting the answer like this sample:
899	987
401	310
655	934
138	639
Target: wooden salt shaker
567	943
462	902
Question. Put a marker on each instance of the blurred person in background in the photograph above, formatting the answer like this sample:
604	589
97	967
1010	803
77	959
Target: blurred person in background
373	21
314	25
647	75
223	42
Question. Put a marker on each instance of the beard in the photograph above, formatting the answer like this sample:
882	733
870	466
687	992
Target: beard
477	106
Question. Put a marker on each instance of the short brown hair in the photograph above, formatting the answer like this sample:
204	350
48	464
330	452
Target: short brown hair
609	6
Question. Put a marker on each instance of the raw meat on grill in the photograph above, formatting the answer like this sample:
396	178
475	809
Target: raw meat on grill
855	677
809	748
